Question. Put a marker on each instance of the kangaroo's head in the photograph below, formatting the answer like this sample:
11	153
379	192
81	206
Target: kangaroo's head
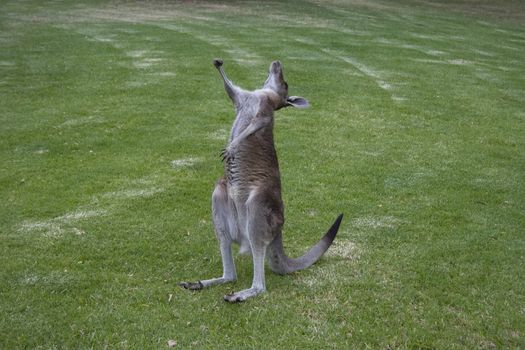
277	84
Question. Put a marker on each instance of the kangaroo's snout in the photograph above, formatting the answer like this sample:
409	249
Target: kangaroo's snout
276	82
276	67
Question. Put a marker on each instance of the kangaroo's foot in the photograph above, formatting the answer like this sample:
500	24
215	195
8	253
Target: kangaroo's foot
242	295
192	285
206	283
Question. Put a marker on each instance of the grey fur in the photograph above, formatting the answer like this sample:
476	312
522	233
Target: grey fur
246	204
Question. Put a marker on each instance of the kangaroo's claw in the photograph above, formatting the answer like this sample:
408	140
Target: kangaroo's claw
192	285
231	298
226	154
217	62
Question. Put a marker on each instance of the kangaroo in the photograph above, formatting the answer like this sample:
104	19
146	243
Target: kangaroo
247	207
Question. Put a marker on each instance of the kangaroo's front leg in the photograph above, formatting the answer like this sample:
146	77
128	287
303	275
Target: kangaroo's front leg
255	125
222	217
234	92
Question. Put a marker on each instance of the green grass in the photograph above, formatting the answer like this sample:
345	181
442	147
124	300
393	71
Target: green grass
112	119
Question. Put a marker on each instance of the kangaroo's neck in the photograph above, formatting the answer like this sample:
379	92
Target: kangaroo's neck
251	105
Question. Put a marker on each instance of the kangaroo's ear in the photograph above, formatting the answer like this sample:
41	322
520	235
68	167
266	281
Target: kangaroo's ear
297	101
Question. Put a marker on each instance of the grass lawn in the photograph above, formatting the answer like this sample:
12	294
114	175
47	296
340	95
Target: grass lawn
112	118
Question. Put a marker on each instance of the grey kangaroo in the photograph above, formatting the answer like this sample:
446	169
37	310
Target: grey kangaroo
247	206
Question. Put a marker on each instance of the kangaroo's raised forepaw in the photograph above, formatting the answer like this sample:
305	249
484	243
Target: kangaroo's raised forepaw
217	62
192	285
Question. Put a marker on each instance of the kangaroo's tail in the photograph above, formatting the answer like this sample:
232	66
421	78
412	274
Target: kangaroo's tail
282	264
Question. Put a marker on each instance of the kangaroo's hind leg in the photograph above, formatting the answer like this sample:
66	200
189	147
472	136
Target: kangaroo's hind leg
264	219
222	219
